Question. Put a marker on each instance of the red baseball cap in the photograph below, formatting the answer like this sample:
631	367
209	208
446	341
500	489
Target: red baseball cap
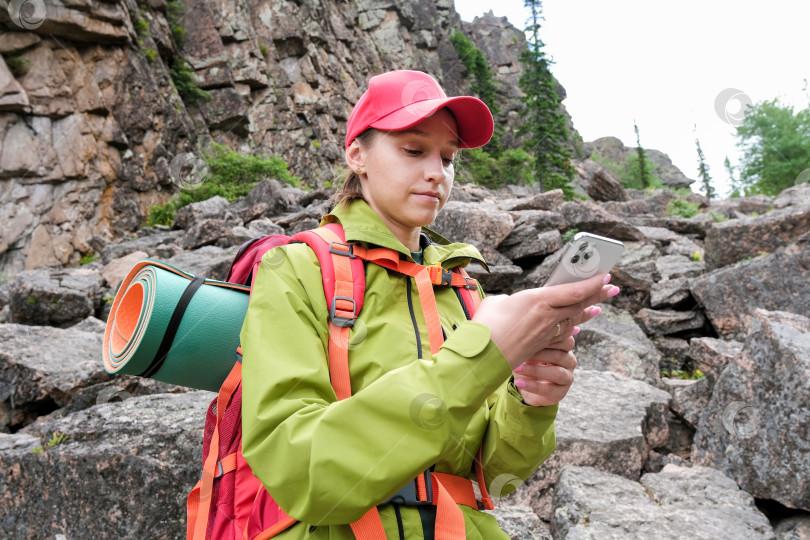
400	99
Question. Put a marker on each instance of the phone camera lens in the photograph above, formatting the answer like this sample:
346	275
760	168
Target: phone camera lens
575	259
583	246
587	255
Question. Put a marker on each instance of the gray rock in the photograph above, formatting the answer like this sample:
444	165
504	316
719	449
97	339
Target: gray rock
613	341
521	523
482	225
541	220
662	322
674	353
711	355
132	461
193	213
155	243
525	242
263	227
671	293
590	217
500	278
209	261
774	282
90	324
549	201
658	235
734	240
116	270
269	198
678	266
793	528
603	187
686	247
41	368
689	398
755	427
588	434
209	231
678	502
793	196
58	298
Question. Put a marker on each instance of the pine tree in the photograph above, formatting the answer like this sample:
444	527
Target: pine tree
545	125
703	173
643	173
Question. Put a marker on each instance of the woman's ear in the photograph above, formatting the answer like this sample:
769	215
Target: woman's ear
355	157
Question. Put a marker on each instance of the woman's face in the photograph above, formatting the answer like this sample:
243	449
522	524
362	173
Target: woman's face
406	176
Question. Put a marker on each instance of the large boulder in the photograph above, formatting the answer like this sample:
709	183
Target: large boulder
520	523
607	421
731	241
44	369
755	426
123	470
614	342
482	225
775	282
55	297
590	217
679	502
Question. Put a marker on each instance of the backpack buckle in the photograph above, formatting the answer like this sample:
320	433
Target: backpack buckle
339	248
346	318
471	283
440	276
409	494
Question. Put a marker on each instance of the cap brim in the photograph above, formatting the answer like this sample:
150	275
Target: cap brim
473	118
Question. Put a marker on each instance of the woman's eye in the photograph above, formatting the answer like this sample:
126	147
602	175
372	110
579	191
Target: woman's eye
447	161
412	152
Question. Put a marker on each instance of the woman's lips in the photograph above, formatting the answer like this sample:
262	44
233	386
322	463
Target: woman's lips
429	196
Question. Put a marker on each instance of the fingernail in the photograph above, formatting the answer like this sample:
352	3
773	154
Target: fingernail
607	279
576	330
613	291
520	383
595	310
519	368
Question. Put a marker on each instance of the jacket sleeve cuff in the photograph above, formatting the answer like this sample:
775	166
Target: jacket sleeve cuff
472	340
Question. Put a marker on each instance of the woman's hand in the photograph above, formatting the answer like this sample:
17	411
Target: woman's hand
546	378
525	323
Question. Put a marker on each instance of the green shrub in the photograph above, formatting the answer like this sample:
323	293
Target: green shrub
569	234
88	258
150	54
628	173
512	166
682	208
230	175
175	11
685	375
717	216
183	78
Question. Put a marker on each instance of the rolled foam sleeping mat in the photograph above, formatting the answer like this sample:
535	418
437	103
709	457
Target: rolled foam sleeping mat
174	327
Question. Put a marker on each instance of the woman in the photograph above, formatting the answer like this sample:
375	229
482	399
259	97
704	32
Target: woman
494	384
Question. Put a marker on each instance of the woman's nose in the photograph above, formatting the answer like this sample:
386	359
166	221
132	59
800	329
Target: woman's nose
435	171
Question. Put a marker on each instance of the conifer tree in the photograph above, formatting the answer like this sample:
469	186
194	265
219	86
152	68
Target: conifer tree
643	173
544	125
703	173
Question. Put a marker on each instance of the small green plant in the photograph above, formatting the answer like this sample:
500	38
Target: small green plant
31	300
150	54
141	27
18	65
682	208
183	78
316	144
230	175
697	256
568	235
682	374
57	438
753	214
88	258
717	216
175	10
109	299
263	49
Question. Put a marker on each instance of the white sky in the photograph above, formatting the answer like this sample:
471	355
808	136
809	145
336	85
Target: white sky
665	63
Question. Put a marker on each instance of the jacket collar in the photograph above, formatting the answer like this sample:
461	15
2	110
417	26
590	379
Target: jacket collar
362	225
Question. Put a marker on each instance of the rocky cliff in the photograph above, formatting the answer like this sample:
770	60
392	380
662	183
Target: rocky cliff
93	107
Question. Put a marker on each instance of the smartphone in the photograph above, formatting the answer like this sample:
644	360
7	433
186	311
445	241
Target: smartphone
584	256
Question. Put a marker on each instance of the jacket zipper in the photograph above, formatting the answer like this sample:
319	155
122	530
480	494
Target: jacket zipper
413	318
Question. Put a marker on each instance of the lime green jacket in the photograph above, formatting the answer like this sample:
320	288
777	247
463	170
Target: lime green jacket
326	462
